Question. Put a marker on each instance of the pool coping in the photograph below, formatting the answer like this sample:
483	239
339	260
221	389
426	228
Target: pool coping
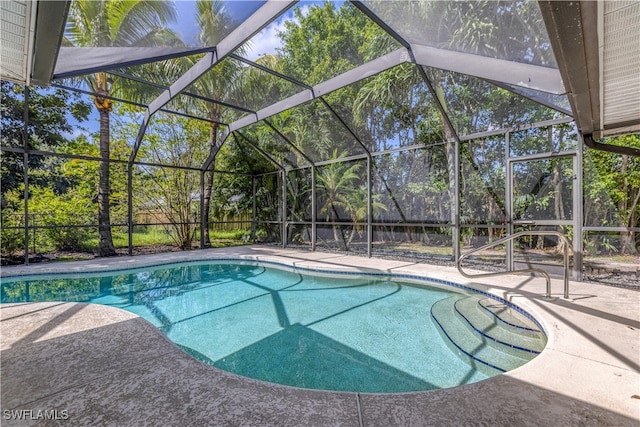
583	336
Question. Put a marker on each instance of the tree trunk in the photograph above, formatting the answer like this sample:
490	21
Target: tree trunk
208	187
450	152
105	243
556	181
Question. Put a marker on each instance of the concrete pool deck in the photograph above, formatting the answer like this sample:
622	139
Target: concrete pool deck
95	365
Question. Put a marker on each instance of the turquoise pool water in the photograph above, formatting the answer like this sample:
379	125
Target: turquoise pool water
352	333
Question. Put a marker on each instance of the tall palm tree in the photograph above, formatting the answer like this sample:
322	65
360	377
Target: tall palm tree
337	182
214	24
115	23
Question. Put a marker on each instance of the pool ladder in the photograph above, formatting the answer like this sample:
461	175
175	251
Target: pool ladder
562	237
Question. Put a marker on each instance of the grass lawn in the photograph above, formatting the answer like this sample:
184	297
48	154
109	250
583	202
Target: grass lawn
158	236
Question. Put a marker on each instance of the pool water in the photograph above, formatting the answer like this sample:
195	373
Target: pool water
352	333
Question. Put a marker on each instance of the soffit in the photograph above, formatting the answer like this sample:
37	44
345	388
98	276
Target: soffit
30	37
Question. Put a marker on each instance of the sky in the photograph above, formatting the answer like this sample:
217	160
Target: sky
266	42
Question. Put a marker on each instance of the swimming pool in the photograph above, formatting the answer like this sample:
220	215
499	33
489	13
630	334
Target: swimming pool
350	332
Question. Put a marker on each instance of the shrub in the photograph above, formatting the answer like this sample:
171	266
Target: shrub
11	240
60	212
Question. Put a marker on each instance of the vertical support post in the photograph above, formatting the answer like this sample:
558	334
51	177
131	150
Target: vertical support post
25	171
456	201
578	214
508	202
369	209
202	224
25	167
130	206
33	222
284	208
314	223
254	211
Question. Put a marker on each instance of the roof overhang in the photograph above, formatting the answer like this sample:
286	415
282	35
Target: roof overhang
597	47
30	39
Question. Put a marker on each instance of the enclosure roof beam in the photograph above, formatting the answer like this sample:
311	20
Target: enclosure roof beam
441	108
137	104
506	72
346	126
526	75
267	13
381	23
291	144
189	94
269	70
532	96
371	68
260	150
214	151
78	61
530	76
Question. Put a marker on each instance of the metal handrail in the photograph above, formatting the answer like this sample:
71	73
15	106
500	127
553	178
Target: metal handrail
527	270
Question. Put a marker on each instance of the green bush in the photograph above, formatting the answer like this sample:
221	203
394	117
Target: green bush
59	212
11	240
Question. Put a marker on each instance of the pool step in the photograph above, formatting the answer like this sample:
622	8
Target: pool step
503	336
477	336
510	318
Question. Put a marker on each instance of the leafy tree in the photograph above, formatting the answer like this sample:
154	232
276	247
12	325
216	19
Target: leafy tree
82	176
12	239
482	187
62	212
320	43
170	191
49	113
48	124
102	23
612	191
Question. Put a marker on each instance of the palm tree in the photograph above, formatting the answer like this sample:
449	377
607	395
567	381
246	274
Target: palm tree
115	23
216	84
337	182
